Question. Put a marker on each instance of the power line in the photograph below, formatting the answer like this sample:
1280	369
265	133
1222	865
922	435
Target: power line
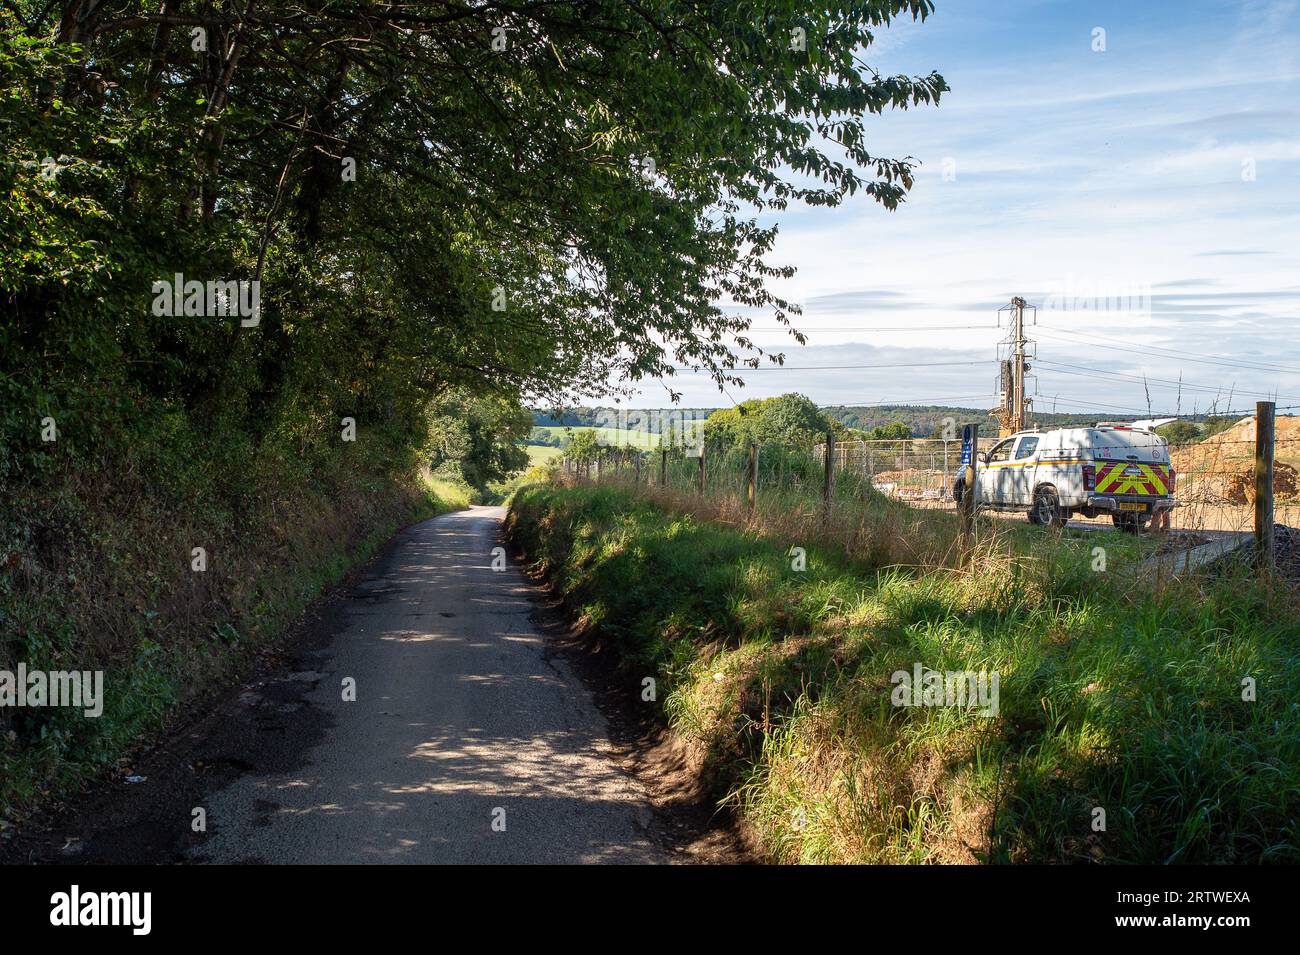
1102	374
1178	352
882	402
1088	403
878	328
1146	350
906	364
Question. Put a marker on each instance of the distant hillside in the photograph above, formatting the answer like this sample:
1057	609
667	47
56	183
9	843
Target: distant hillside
925	420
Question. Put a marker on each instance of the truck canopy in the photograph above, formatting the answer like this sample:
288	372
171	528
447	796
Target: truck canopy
1106	444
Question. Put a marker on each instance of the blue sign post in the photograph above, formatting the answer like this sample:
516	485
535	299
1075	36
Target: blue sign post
970	435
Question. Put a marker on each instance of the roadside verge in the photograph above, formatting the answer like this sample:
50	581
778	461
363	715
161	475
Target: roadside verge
1118	729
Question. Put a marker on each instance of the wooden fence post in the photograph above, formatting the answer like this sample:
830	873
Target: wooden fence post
1264	432
701	470
753	475
828	484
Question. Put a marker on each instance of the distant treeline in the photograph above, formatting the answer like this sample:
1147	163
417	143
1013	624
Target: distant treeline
922	420
927	420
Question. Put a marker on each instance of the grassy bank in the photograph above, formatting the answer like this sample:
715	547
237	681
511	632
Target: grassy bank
1115	696
98	572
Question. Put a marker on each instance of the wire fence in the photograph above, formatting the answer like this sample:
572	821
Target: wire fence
789	491
1213	479
919	471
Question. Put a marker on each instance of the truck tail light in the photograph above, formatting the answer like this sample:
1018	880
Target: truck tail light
1172	477
1089	477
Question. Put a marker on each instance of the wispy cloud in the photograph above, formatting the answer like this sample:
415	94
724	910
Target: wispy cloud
1050	163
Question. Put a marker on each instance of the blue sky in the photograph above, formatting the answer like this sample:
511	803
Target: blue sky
1146	197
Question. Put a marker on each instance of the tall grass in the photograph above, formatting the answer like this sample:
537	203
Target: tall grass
1115	695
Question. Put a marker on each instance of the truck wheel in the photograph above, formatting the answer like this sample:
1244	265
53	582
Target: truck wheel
958	489
1047	508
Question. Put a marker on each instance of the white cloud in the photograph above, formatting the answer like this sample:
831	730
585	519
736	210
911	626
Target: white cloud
1122	169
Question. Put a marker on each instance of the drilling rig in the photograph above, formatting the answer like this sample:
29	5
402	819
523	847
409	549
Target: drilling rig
1013	413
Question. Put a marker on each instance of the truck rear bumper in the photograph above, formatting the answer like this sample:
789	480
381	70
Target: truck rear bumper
1111	503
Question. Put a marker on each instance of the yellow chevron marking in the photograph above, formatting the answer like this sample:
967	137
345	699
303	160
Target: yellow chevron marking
1117	482
1156	478
1111	477
1114	482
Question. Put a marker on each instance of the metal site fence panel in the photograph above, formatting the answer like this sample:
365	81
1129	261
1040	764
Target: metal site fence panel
919	471
1214	479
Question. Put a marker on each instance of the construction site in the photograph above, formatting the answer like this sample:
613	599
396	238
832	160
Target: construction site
1214	476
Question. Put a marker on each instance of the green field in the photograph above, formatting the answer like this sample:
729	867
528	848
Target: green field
539	454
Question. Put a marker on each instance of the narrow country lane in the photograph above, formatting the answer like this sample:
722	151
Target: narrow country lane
461	720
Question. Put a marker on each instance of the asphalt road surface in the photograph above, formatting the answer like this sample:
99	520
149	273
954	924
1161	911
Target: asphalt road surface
467	741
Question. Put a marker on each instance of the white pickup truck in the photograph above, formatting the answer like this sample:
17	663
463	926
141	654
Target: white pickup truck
1114	469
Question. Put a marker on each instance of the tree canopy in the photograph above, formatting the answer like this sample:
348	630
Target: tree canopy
791	420
582	446
515	198
475	439
894	431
